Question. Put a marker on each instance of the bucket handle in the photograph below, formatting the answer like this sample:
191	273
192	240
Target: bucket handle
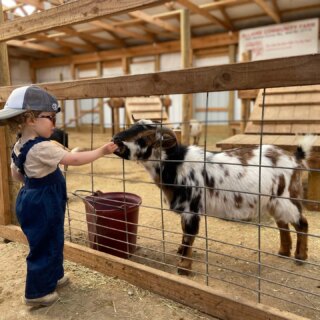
95	194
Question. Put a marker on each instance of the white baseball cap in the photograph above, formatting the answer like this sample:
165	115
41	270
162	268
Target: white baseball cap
28	98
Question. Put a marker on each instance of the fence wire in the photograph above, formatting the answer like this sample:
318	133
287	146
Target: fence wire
237	255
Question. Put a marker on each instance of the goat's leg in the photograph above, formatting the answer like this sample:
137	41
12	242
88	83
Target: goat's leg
301	227
190	227
285	239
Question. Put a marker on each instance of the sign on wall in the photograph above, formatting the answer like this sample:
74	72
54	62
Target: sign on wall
280	40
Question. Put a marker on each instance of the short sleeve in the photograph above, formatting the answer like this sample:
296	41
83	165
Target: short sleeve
43	158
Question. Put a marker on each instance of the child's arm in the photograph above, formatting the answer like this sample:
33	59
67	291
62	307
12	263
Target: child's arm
16	175
80	158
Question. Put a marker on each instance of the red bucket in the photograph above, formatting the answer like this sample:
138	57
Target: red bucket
112	220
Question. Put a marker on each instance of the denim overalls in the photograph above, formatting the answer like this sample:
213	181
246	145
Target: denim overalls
40	209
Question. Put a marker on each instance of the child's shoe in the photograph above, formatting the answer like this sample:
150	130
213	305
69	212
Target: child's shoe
63	281
44	301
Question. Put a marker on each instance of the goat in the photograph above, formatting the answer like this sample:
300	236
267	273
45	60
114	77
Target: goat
195	130
60	136
230	179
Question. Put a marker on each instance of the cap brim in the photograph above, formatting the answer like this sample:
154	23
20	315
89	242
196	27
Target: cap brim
10	113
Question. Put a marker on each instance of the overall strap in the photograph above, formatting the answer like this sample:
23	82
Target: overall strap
21	158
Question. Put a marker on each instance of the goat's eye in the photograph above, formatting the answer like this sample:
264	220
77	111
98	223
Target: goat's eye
141	142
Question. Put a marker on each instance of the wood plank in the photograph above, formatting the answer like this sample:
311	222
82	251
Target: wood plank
82	11
284	104
248	94
211	41
211	301
269	73
5	212
287	142
302	89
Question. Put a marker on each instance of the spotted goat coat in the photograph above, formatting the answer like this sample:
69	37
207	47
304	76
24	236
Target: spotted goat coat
225	185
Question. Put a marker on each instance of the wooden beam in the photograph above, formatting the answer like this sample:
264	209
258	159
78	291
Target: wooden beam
214	302
232	59
156	21
38	47
82	11
35	3
212	41
268	10
64	43
5	211
281	72
91	39
186	62
195	9
224	3
128	33
6	9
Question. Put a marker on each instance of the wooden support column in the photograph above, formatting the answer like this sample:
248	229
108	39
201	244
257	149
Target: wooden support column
245	103
100	100
63	107
232	59
186	62
5	212
74	75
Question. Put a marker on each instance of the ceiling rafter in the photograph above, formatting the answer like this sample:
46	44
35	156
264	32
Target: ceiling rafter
226	17
163	26
39	47
195	9
153	20
62	43
90	38
36	3
111	27
6	9
276	7
223	3
268	10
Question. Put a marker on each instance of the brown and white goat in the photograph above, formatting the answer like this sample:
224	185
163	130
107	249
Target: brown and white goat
230	179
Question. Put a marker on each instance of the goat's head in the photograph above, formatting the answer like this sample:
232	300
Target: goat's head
140	140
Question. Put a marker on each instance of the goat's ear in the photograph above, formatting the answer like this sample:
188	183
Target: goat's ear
167	141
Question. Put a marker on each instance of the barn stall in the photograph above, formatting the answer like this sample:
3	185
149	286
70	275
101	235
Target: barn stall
232	260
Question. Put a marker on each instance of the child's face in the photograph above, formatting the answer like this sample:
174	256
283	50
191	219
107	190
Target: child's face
45	123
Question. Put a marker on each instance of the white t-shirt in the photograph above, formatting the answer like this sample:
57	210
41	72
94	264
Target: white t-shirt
42	159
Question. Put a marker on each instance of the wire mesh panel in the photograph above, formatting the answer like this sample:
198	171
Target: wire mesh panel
238	251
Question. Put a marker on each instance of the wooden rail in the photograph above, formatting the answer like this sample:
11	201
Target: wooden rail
283	72
208	300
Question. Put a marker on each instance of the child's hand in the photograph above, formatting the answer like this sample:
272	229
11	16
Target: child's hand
109	148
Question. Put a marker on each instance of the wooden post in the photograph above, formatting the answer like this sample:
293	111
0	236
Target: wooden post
185	36
5	212
245	103
232	59
100	100
74	75
62	104
313	191
116	111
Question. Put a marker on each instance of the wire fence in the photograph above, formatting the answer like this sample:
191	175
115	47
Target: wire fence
237	255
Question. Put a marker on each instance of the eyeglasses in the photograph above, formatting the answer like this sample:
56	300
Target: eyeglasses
52	118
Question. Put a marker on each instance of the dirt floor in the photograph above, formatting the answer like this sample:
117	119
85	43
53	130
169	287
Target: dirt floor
228	260
90	295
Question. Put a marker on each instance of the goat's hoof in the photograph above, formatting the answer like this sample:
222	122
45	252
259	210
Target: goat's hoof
284	253
300	259
180	249
299	262
183	272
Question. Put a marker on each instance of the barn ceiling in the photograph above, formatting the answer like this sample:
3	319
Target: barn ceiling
149	26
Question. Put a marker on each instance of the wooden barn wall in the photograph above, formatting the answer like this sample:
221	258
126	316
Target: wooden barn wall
19	72
139	65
